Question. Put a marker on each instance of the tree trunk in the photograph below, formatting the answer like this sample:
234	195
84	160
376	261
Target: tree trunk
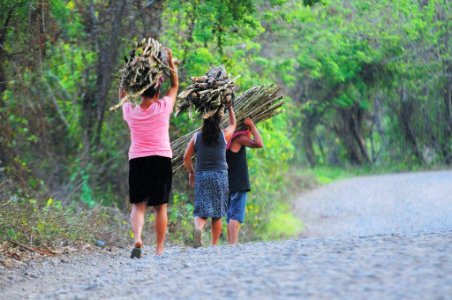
307	141
154	10
107	46
357	118
405	114
186	46
7	153
443	55
377	129
106	66
349	130
446	144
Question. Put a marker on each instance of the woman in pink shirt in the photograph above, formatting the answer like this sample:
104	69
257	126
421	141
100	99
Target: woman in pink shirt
150	171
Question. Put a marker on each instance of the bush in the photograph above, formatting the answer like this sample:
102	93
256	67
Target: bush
46	222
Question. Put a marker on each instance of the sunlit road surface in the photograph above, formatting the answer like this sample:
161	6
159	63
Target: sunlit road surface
399	203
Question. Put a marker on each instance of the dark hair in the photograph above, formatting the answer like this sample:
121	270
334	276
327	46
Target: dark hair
211	129
151	92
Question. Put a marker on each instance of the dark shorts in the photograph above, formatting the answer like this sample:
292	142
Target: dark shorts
236	206
150	180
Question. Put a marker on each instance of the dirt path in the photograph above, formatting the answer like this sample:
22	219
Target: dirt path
376	249
399	203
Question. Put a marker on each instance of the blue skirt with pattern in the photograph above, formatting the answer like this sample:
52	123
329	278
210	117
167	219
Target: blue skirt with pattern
211	194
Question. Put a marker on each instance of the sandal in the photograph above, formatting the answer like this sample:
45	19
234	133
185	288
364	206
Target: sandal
136	251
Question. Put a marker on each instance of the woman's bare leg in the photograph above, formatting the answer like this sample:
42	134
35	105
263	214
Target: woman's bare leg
161	222
137	221
216	230
199	225
200	222
233	232
228	233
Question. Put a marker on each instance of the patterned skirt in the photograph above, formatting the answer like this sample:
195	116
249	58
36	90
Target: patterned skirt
211	194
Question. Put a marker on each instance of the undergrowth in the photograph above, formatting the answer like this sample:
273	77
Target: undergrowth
39	221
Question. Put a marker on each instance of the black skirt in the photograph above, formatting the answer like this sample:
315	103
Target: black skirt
150	180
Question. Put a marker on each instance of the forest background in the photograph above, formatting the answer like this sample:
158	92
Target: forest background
367	86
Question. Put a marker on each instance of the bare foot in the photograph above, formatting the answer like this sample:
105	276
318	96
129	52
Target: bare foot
159	250
138	244
198	238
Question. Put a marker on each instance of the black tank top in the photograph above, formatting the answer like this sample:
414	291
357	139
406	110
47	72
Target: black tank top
210	157
238	171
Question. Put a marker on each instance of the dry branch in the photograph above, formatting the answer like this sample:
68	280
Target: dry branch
209	94
259	103
144	68
42	252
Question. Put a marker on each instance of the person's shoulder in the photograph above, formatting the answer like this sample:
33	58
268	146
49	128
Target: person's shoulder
126	107
167	102
196	134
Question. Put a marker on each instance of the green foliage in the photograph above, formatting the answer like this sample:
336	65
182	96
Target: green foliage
282	223
366	84
40	222
207	33
180	219
346	57
327	174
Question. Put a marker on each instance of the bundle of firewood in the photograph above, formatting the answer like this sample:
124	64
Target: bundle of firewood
144	68
208	94
259	103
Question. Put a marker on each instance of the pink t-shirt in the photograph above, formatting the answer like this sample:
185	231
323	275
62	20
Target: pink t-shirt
149	129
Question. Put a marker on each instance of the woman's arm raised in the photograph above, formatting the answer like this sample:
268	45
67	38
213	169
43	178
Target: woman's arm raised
244	140
229	131
172	92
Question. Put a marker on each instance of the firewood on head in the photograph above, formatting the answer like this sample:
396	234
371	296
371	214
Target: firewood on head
200	79
144	68
259	103
208	93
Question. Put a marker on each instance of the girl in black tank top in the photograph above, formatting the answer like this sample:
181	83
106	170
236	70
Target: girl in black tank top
239	183
238	171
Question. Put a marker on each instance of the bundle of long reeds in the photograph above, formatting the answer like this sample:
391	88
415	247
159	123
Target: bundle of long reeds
144	68
259	103
208	94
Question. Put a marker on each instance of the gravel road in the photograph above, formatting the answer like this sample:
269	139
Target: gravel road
381	252
399	203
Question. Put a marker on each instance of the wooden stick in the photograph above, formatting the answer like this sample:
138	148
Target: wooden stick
47	252
259	103
6	203
221	88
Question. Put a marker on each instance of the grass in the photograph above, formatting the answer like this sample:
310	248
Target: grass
38	221
283	223
322	175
